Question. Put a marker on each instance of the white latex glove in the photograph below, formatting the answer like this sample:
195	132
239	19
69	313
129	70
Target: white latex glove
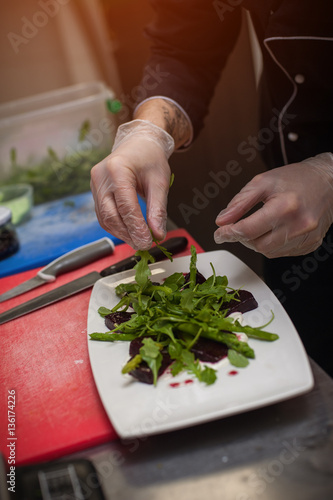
297	209
138	164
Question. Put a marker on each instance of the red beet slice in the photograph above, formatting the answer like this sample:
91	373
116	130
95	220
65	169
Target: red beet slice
143	373
209	350
112	320
245	302
198	280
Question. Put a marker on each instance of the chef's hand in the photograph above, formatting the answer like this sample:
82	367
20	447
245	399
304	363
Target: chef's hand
296	213
138	164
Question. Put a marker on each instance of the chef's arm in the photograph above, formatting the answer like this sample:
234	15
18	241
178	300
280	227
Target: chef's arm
139	164
189	47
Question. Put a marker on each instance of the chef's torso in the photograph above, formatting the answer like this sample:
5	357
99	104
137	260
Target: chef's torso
296	37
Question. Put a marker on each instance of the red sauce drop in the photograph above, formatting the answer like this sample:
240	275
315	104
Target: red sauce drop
233	372
178	384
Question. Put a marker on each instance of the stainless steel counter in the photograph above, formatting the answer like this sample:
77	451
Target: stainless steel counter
280	452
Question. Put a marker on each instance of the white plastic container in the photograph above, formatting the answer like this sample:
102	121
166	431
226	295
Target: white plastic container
30	126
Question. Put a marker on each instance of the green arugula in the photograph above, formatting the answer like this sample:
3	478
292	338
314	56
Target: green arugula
237	359
150	353
142	269
163	249
174	315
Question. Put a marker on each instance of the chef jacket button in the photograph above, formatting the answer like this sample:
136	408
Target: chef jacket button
292	136
299	78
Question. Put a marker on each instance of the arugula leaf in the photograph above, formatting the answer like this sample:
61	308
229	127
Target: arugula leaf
150	348
175	350
142	268
185	359
237	359
150	353
187	300
104	311
175	281
204	315
177	367
163	326
208	375
163	249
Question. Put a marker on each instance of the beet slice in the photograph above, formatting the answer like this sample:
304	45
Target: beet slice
112	320
135	346
209	350
244	302
142	372
198	280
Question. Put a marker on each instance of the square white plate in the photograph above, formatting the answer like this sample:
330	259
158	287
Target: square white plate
280	370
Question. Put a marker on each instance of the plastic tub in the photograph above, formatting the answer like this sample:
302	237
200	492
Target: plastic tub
51	123
19	199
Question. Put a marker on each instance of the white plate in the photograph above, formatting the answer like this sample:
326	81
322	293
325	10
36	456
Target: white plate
281	369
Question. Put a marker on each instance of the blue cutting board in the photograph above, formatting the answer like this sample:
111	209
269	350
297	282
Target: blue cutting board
53	229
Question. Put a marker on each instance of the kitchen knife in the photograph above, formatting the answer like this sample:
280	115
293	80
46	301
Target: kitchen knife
172	245
70	261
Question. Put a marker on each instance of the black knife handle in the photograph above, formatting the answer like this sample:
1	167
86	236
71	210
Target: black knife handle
173	245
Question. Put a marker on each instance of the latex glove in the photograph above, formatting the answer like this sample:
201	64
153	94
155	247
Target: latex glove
138	164
296	213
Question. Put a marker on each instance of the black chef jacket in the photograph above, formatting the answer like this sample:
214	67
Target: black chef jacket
191	41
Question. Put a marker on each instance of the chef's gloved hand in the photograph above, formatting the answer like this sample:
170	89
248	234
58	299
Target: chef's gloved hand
296	213
138	164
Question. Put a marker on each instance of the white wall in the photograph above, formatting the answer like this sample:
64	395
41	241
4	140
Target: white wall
48	44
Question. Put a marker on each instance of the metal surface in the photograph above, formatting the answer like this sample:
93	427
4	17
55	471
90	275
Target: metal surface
22	288
283	451
4	492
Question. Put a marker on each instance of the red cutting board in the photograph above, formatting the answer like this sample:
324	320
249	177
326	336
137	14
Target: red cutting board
44	359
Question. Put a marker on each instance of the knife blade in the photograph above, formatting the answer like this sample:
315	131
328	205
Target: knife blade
173	245
70	261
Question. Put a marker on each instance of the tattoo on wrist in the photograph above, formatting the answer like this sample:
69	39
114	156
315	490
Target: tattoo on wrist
176	123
